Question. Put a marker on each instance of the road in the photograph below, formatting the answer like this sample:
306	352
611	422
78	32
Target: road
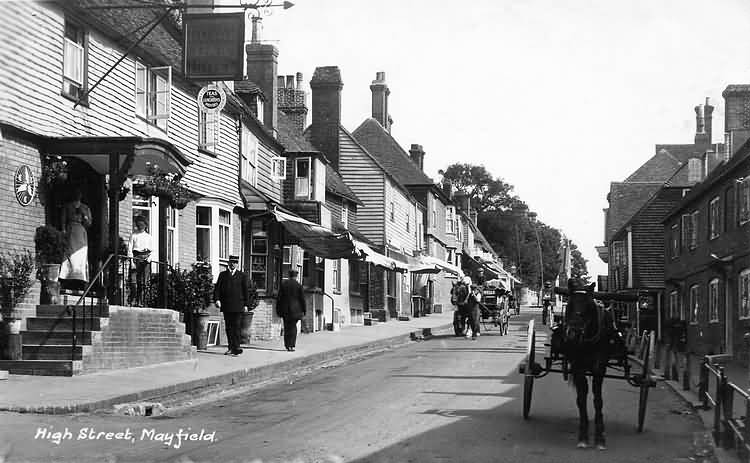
447	399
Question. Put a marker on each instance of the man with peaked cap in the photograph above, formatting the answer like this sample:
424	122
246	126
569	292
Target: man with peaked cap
230	295
291	307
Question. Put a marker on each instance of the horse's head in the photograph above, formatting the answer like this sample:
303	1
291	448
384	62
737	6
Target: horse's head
581	314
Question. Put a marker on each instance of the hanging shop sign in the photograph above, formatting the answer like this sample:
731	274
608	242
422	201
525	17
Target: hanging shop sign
211	99
214	46
24	185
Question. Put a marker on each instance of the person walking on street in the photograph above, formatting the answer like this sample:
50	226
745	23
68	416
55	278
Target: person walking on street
471	307
291	307
230	295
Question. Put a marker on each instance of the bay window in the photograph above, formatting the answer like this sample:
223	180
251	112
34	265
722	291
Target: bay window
302	178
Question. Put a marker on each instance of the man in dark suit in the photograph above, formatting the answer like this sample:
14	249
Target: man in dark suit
291	307
230	295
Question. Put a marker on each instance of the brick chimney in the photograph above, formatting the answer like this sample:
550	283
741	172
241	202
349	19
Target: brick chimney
292	100
326	85
448	189
262	61
416	153
703	123
380	94
736	115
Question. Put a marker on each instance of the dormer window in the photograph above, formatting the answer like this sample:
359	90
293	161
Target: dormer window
302	178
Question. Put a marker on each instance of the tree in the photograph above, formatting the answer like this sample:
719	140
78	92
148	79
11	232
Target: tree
579	269
485	192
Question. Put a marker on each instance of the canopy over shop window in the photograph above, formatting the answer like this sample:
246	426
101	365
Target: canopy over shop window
318	240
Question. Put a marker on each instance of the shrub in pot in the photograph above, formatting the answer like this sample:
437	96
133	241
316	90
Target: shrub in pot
15	278
50	247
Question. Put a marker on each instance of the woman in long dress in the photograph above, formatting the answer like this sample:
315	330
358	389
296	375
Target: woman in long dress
76	218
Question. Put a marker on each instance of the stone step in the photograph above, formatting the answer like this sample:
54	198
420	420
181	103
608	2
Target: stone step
371	321
62	324
62	338
65	311
41	367
60	352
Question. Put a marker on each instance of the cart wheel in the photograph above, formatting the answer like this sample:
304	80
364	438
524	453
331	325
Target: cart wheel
528	382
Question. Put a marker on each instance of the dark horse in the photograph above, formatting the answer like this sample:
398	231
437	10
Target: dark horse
587	341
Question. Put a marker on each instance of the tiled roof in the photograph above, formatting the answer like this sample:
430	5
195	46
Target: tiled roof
336	185
163	45
381	145
625	199
293	141
248	86
667	160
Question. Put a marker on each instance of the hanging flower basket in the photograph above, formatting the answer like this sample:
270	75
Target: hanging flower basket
166	186
179	202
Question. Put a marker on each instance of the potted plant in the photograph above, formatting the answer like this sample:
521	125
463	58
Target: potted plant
15	282
198	287
50	246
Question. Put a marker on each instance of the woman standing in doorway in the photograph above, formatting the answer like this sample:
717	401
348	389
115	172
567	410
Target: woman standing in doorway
76	218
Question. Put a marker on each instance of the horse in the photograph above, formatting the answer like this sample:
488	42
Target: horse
587	340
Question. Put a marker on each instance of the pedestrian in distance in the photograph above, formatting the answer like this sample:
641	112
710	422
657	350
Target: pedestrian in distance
471	308
291	307
230	296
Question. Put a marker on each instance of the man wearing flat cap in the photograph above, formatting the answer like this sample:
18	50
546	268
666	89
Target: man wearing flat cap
230	295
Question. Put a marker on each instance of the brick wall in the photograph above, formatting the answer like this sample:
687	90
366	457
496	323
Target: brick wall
134	337
266	324
19	222
186	230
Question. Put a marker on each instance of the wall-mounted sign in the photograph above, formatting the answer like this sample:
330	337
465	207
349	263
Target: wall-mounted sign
214	46
211	99
24	184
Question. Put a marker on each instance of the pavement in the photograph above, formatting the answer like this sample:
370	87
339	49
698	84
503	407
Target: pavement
260	361
737	374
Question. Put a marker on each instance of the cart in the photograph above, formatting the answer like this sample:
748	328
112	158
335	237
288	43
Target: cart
641	376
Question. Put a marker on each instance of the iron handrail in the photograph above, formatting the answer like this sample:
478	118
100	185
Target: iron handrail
729	431
82	299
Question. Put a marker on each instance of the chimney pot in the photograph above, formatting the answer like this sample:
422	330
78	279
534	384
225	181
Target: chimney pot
280	81
299	81
257	28
289	81
380	94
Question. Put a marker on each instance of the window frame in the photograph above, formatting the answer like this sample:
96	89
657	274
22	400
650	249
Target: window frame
210	146
149	111
249	156
354	277
208	227
259	258
392	214
694	303
714	218
278	168
714	300
675	241
694	227
224	234
345	213
674	304
743	285
336	280
743	202
173	236
83	45
297	179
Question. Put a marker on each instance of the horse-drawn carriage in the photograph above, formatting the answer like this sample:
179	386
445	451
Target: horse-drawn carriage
586	342
493	309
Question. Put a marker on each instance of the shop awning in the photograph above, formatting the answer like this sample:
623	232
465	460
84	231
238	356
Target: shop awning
473	265
419	266
376	258
315	238
443	265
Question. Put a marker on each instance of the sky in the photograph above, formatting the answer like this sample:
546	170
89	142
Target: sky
556	97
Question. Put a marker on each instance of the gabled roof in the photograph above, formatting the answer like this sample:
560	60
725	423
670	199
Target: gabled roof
392	157
248	86
667	160
625	199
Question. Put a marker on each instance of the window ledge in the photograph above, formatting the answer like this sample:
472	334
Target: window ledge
202	150
84	102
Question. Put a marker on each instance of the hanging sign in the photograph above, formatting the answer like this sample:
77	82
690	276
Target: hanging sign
24	185
211	99
214	46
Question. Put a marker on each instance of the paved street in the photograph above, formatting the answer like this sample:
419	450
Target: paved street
446	399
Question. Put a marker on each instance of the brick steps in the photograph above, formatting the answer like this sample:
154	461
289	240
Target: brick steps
62	324
51	352
46	338
41	367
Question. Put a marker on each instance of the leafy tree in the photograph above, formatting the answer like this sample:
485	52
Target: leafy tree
486	192
579	269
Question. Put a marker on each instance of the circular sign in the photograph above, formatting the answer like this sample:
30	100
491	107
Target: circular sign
24	185
211	99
